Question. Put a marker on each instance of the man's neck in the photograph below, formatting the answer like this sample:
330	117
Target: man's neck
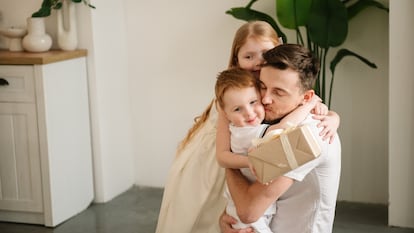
272	122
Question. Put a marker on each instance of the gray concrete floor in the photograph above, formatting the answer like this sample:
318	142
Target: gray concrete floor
136	211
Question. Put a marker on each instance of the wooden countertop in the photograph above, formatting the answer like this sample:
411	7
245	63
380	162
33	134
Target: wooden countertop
25	58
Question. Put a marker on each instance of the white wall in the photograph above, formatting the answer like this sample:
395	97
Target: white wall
105	39
361	99
401	127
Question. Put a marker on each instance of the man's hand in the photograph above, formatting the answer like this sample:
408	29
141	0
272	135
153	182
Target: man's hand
225	223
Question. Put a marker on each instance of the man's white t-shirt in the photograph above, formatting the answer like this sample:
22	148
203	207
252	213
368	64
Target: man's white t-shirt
308	206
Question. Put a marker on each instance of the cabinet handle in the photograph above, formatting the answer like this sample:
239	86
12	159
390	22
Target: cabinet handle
3	82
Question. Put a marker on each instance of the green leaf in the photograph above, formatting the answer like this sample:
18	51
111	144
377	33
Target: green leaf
293	13
328	23
58	6
47	3
345	52
42	12
248	14
87	3
45	9
360	5
250	4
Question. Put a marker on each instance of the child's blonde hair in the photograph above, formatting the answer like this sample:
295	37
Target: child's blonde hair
234	78
260	30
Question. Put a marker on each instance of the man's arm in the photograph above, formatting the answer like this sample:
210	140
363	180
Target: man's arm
252	200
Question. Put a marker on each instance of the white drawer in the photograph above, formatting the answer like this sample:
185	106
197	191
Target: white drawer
16	83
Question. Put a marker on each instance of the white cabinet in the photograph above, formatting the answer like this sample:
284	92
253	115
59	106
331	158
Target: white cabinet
20	174
45	141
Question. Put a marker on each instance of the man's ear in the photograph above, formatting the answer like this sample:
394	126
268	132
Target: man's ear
307	96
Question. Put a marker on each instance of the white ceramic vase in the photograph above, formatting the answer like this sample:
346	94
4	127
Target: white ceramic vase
15	36
67	36
36	40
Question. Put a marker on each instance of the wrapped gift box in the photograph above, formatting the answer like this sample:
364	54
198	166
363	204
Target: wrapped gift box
283	152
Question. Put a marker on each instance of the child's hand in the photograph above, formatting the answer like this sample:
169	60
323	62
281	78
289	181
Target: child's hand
252	169
314	101
249	163
319	107
330	124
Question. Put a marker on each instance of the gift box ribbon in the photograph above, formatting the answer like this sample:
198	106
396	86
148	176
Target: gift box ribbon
284	139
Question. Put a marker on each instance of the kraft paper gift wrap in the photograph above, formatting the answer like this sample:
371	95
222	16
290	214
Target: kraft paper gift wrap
283	150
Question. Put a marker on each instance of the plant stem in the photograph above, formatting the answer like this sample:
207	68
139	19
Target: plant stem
330	92
324	53
249	5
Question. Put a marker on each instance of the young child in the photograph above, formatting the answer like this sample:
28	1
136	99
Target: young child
238	96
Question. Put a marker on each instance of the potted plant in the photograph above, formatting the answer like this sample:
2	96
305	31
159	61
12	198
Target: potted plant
325	24
47	6
66	33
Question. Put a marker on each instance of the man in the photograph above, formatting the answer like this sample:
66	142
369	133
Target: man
306	196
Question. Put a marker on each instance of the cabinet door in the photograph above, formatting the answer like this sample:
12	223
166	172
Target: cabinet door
20	176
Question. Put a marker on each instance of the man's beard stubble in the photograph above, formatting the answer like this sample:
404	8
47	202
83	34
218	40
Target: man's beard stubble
275	121
272	122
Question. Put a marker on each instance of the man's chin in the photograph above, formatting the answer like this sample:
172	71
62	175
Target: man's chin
271	117
271	120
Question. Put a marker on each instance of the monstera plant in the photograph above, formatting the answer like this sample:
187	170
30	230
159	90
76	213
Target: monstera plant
319	25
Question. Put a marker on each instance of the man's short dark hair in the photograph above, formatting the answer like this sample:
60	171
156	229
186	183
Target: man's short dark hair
297	58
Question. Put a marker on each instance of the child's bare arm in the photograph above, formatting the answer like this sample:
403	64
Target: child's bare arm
298	115
224	156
